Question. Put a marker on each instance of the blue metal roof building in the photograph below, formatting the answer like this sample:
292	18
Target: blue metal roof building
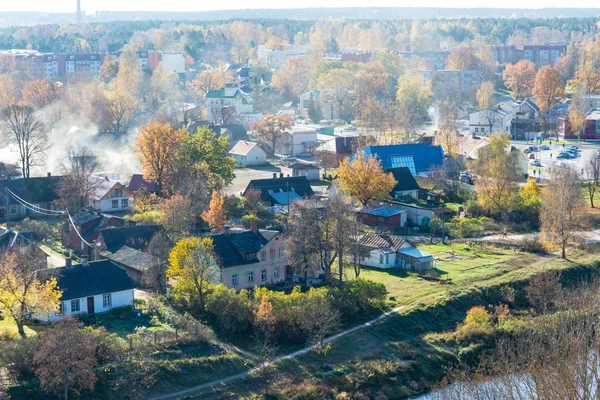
419	158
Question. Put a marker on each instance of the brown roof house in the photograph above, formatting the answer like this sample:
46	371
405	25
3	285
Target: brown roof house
389	251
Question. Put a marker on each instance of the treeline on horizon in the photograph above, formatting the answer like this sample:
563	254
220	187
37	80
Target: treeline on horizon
113	36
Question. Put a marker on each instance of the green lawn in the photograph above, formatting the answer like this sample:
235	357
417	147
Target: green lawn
465	266
8	327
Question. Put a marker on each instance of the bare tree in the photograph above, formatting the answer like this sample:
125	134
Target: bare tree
560	215
155	275
321	320
78	182
341	216
26	131
591	177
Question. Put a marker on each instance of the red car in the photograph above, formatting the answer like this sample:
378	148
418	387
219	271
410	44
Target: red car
532	156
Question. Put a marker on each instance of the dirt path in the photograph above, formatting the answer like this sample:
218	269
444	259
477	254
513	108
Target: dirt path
210	385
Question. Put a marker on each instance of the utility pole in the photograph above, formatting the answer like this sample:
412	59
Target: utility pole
79	12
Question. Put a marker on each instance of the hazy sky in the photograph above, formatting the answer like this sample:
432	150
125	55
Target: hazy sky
199	5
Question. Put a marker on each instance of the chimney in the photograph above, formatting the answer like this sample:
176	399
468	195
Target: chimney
281	174
274	175
84	261
474	135
253	226
68	262
49	174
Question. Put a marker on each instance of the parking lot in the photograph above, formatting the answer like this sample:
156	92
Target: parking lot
548	157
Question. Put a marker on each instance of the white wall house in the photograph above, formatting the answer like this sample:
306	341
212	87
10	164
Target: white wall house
298	140
173	62
274	58
248	154
109	196
90	288
388	251
232	99
484	122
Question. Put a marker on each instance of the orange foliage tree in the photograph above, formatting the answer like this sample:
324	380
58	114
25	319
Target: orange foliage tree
519	78
215	215
271	129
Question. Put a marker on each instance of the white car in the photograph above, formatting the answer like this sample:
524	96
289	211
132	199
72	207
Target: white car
535	163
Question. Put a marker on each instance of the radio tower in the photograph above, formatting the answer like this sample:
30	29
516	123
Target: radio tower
78	11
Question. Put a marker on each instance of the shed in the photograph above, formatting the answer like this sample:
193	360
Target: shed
310	171
383	215
413	258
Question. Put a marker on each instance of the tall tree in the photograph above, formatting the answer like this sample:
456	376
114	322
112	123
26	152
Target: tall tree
519	78
272	129
364	179
291	79
40	93
548	89
413	100
341	216
462	57
560	215
591	177
22	295
158	146
65	359
78	182
485	94
578	110
26	131
176	214
192	265
496	169
447	127
155	276
215	215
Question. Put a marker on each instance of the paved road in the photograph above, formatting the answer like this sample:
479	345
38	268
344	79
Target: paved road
210	385
55	259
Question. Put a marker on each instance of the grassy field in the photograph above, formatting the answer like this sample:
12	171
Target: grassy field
8	327
464	265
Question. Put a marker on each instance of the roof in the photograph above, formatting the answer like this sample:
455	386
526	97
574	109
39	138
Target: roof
239	248
405	179
301	165
243	147
266	187
422	155
102	186
10	238
378	241
137	237
382	211
528	101
83	280
234	131
283	198
34	190
90	222
220	94
469	145
339	145
416	253
138	182
131	257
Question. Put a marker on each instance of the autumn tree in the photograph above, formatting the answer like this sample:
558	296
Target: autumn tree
340	217
578	110
371	80
337	84
192	265
485	94
321	320
548	89
215	215
588	66
155	276
158	146
364	179
560	215
65	359
176	214
462	57
22	295
122	104
78	182
591	177
144	201
291	79
496	168
265	323
520	78
162	89
40	93
25	130
413	100
204	82
272	129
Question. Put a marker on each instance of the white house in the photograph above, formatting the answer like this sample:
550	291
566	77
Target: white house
330	110
225	105
248	153
91	288
298	140
310	171
274	58
108	195
388	251
489	120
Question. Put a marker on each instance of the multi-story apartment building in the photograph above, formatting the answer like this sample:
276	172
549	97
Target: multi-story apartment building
540	55
83	64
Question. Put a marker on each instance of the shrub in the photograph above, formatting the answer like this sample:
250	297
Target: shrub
358	295
232	310
477	315
248	219
147	218
532	244
469	227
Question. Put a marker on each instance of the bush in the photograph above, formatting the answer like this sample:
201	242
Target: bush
532	244
470	227
232	310
17	358
358	295
477	315
147	218
248	219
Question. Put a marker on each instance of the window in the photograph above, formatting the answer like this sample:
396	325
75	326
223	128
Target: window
117	192
124	203
404	161
476	130
251	276
281	253
234	280
276	273
263	255
115	204
13	209
272	254
61	308
75	305
106	300
482	130
381	259
263	275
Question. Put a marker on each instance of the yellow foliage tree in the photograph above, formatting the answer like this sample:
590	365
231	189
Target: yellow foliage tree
22	295
364	179
215	215
192	265
477	315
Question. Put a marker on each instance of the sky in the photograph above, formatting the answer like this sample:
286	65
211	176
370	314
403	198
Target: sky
196	5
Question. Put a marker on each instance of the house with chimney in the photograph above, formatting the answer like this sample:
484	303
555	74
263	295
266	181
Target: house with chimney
89	288
109	195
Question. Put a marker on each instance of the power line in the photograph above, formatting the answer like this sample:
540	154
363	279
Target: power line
77	232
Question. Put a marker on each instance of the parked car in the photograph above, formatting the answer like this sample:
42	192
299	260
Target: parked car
531	156
544	147
572	153
564	156
535	163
